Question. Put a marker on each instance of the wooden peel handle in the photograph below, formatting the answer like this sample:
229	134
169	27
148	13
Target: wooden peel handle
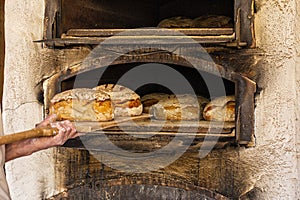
33	133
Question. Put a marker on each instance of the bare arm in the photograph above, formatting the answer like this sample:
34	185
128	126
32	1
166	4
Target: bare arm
29	146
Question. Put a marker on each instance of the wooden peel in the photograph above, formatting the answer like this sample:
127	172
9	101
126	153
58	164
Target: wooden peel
33	133
85	127
82	127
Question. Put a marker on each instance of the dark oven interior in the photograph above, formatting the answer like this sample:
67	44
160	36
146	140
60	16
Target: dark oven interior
116	14
112	74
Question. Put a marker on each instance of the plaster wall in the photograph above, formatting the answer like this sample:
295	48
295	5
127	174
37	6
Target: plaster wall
297	74
269	170
29	177
276	109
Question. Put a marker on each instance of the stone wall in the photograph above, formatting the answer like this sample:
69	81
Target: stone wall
29	177
275	158
297	74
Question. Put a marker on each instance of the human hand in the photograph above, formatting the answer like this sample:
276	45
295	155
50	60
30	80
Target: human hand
66	130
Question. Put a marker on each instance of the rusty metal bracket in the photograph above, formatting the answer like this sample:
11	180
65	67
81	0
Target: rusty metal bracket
244	93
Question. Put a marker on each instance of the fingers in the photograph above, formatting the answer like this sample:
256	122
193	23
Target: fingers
66	130
61	127
47	121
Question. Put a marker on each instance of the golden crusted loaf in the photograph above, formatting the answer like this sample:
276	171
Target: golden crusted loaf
149	100
220	109
174	107
165	106
125	101
212	21
82	104
204	21
176	22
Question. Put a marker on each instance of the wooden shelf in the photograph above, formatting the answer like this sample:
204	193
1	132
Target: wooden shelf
146	134
144	126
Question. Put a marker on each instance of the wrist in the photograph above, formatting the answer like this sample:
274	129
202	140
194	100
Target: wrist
17	149
41	143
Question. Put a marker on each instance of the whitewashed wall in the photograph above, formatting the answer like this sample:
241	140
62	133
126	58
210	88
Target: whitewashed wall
29	177
297	74
272	165
277	105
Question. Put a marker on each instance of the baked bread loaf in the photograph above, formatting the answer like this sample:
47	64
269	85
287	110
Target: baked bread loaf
178	107
220	109
176	22
125	101
204	21
82	104
212	21
149	100
202	103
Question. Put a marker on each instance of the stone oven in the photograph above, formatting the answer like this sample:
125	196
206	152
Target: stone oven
239	160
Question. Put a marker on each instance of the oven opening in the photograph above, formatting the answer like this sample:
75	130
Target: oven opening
226	132
118	14
207	21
